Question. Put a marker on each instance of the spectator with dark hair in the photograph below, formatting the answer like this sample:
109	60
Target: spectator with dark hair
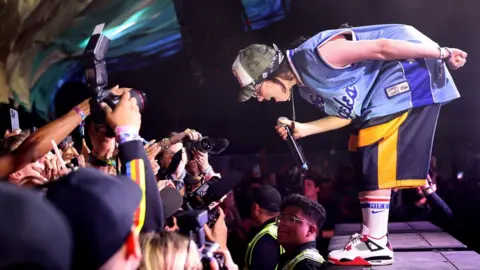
299	223
314	188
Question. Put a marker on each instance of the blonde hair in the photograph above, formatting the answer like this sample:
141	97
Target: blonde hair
169	251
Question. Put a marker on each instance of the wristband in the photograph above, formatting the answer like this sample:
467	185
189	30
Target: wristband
125	129
445	54
127	137
208	171
80	112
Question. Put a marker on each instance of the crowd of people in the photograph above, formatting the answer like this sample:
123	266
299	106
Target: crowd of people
117	203
125	203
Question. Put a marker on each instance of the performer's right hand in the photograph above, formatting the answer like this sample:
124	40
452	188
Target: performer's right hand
298	129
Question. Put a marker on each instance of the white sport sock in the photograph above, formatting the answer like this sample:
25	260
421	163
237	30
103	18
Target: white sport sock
375	210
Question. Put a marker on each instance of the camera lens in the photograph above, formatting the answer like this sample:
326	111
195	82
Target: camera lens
206	144
141	98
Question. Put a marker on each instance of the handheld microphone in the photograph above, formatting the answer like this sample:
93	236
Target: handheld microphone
292	144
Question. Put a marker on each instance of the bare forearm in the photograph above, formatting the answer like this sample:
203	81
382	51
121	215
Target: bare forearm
399	49
38	144
326	124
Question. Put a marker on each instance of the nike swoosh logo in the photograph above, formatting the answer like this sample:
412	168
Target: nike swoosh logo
376	212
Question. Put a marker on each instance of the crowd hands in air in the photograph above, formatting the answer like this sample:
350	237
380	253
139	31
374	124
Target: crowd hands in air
28	163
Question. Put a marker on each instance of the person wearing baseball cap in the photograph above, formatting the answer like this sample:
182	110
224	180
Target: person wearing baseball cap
263	251
392	79
100	210
33	233
172	203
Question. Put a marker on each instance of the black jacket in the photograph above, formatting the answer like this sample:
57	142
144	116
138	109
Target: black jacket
266	252
132	154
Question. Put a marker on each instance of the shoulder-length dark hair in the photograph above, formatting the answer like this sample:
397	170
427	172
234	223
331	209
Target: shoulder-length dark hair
284	71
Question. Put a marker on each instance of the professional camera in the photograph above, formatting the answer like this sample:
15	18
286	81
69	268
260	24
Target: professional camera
207	196
205	145
191	224
97	78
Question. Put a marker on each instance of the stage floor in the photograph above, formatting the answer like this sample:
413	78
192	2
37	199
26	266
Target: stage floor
417	245
445	260
410	242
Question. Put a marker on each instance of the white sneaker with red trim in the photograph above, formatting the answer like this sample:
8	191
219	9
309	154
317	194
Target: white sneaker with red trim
363	250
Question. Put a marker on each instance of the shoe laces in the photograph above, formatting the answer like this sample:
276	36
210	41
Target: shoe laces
354	239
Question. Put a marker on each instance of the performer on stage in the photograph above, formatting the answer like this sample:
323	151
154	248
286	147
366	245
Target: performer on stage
391	81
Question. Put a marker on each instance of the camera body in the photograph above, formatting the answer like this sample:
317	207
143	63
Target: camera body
201	199
191	224
96	76
207	254
205	145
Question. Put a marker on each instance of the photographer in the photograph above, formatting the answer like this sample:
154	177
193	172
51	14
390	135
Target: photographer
39	144
173	158
125	119
102	155
106	213
199	166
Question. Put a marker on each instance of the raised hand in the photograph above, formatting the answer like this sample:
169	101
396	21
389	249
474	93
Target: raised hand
125	113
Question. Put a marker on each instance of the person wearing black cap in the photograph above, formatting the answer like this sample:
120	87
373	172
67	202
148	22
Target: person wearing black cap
172	203
33	233
263	251
100	209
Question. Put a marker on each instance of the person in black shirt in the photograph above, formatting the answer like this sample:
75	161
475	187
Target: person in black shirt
299	223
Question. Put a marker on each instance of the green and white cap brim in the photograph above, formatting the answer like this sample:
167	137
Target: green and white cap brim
253	65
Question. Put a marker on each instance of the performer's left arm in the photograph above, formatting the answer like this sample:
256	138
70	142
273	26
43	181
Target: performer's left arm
341	52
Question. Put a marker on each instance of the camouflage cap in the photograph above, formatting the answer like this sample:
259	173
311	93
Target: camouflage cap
253	65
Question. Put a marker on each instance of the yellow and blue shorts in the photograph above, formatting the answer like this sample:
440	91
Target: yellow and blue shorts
394	151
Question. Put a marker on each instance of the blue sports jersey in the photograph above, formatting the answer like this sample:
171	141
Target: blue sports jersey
373	88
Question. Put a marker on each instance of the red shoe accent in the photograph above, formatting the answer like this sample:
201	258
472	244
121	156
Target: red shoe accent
358	261
389	246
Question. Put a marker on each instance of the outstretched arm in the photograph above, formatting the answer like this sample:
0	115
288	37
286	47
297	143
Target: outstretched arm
39	143
341	52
